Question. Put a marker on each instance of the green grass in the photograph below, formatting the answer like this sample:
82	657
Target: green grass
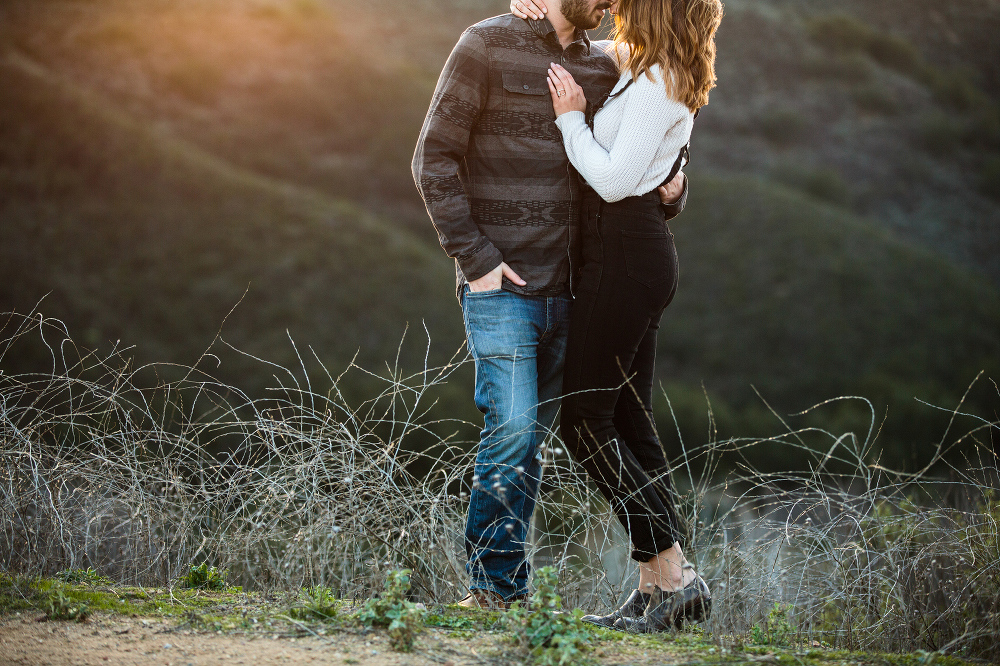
202	612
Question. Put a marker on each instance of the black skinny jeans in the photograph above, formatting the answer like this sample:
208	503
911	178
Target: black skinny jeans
629	275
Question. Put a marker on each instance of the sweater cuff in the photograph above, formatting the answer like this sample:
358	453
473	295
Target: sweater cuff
480	262
670	211
569	119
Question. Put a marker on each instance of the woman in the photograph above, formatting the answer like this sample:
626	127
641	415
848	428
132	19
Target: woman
666	52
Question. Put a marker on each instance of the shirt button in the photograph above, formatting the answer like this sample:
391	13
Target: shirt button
525	86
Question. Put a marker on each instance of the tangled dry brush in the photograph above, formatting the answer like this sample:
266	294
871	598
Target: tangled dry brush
141	472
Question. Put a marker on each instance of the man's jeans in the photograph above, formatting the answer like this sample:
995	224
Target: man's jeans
518	343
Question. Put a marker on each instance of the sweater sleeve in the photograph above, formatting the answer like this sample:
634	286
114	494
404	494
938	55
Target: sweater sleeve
458	100
647	116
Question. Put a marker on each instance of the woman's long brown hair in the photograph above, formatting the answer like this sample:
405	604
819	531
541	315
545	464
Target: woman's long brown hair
677	35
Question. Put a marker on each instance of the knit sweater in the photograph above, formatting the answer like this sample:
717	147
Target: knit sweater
636	139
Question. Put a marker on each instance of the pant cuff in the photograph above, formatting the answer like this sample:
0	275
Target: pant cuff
645	554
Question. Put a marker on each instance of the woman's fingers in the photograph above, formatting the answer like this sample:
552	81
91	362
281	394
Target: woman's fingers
555	85
563	75
553	74
553	90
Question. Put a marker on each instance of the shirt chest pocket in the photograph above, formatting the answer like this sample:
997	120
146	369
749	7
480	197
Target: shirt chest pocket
526	92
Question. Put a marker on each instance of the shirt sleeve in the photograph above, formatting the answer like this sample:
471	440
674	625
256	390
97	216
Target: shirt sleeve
457	103
648	115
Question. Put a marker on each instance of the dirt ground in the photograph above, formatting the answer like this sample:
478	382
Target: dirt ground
105	640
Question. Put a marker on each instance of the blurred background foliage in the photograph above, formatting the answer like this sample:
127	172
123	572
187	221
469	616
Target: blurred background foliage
162	161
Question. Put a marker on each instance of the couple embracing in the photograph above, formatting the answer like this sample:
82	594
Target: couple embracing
549	165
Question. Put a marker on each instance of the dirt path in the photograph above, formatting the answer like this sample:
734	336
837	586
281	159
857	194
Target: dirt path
115	640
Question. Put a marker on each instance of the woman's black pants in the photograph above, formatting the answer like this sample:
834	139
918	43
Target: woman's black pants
629	275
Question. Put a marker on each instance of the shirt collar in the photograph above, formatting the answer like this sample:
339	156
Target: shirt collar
543	28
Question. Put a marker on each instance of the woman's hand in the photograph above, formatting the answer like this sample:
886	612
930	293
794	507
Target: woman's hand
673	190
535	9
566	94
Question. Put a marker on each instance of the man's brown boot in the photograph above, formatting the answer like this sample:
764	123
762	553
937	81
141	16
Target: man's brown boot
483	600
524	599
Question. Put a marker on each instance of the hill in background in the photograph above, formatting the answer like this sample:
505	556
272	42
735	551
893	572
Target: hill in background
158	160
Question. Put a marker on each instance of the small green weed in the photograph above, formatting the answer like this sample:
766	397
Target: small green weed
402	618
548	636
204	577
448	622
776	630
315	603
58	606
83	576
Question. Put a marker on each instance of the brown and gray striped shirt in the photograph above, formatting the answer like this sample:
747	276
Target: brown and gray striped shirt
490	163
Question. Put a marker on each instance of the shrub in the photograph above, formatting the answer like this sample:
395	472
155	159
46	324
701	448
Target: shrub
86	576
953	89
845	35
850	68
825	184
58	606
315	603
783	127
841	33
204	577
876	99
896	53
775	629
863	569
403	619
986	129
989	179
941	133
543	631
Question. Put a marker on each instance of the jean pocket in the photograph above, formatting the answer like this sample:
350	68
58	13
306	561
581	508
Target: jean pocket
649	257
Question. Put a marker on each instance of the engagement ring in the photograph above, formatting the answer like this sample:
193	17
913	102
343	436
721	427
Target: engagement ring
560	93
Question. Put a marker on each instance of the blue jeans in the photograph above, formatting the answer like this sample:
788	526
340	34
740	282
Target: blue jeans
518	343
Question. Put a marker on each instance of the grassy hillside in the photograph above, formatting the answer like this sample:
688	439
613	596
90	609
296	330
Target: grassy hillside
806	302
158	160
892	115
862	107
131	234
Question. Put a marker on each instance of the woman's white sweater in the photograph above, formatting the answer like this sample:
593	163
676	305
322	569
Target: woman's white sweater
636	139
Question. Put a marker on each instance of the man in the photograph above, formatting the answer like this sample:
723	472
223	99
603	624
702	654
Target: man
492	171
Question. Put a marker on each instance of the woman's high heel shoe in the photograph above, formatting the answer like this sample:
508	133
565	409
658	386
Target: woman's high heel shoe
632	608
671	609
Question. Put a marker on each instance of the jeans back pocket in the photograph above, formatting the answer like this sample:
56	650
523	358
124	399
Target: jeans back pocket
650	259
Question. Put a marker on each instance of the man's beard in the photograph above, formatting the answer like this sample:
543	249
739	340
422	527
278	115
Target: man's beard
581	14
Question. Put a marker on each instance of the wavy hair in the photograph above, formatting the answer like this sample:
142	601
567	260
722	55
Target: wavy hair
677	35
